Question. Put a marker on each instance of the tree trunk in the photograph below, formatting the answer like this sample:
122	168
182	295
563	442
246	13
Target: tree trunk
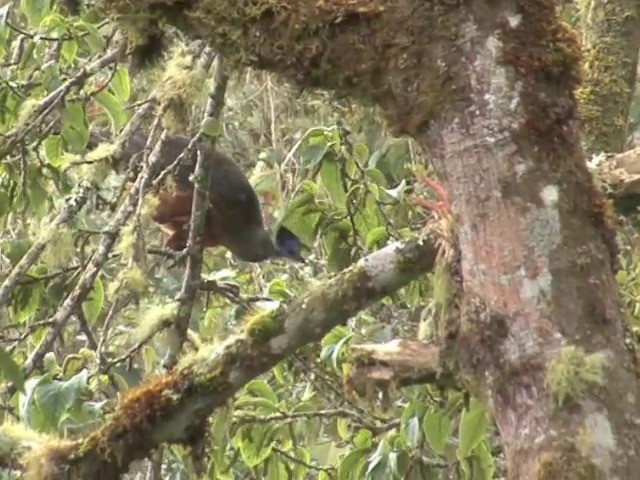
611	38
487	87
537	250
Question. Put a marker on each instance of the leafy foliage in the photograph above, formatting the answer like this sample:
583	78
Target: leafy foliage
321	167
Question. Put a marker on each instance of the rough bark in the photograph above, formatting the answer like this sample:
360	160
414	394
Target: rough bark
487	87
537	250
611	39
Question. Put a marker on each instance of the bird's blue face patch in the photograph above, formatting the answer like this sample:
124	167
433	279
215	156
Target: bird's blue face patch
288	244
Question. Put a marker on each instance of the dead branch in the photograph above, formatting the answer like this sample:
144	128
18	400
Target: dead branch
397	363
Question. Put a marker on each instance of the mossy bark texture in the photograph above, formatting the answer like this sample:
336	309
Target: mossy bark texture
611	39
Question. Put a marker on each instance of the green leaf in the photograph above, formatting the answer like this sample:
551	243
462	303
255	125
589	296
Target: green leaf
69	50
300	470
5	203
276	468
55	398
363	439
412	430
473	426
121	84
361	151
351	465
92	306
280	373
317	144
72	364
35	10
301	215
278	290
368	217
399	463
257	405
30	413
259	388
437	428
38	196
481	463
52	147
74	126
16	249
342	425
378	461
375	237
337	244
25	300
10	370
114	109
331	177
256	447
93	39
211	127
376	175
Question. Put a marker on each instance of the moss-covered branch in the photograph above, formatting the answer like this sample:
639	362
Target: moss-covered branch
365	49
173	408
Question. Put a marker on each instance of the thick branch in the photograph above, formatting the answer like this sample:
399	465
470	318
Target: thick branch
350	47
170	409
397	363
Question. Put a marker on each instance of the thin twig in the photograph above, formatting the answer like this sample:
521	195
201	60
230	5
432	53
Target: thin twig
85	283
48	103
71	208
199	208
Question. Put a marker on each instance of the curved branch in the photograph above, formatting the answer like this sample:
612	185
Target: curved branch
171	409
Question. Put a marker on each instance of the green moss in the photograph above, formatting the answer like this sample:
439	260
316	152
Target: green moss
567	464
209	368
573	372
154	320
263	325
544	50
180	87
131	280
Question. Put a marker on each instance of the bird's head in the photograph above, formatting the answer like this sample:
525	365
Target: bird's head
257	245
288	245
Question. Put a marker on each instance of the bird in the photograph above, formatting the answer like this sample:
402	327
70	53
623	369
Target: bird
233	219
